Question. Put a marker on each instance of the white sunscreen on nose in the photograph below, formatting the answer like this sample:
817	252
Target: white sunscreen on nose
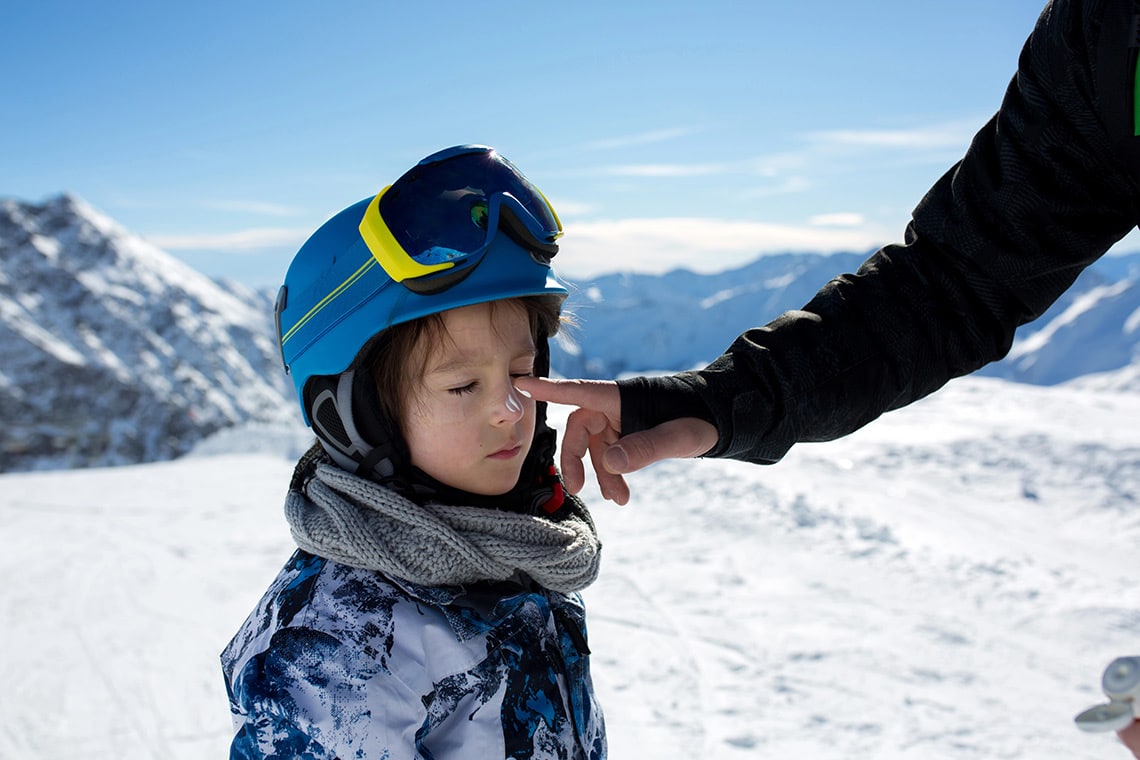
514	406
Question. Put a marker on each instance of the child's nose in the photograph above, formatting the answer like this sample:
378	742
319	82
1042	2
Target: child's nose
510	409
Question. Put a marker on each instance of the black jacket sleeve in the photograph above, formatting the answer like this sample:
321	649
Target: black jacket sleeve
1045	188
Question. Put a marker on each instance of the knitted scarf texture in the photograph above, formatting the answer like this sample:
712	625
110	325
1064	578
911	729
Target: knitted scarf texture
357	522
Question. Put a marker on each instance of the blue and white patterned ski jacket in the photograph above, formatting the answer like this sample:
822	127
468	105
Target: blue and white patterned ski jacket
340	662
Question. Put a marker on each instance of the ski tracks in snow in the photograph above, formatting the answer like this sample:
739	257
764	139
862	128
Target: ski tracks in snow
899	618
110	645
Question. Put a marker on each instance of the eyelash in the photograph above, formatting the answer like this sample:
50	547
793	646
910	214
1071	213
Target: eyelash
470	387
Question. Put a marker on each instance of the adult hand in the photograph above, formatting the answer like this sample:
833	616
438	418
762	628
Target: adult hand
1131	738
596	427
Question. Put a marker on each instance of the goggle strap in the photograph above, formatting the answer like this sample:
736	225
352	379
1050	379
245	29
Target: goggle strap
278	307
518	231
432	285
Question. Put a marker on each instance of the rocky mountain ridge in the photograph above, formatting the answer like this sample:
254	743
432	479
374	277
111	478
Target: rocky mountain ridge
116	352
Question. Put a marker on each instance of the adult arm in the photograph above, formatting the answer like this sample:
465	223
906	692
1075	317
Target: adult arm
1045	188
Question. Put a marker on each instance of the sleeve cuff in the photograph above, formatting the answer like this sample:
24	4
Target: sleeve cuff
648	401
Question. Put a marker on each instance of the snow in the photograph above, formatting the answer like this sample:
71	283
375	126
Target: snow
42	339
1132	323
947	583
718	297
1080	306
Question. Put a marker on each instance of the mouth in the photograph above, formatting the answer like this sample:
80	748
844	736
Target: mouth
507	452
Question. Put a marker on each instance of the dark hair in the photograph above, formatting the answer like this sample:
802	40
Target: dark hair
397	368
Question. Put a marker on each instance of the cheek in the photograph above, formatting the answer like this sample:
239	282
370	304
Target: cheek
428	439
418	424
456	412
432	420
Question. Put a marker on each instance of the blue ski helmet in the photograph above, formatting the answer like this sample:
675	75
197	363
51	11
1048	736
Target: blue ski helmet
463	226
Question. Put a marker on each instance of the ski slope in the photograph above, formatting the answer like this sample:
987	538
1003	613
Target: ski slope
947	583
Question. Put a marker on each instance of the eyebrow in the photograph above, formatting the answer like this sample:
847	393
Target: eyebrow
464	360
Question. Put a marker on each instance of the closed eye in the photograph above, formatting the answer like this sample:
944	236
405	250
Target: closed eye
464	389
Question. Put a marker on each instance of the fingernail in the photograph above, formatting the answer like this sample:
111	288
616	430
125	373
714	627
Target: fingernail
616	459
522	392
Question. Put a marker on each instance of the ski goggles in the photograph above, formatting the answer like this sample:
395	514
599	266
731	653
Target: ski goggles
433	226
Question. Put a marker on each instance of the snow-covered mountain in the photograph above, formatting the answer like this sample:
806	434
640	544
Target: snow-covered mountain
115	352
639	323
1092	330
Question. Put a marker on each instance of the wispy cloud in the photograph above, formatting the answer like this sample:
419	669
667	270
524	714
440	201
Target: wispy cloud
840	219
780	186
664	170
242	240
700	244
644	138
569	208
955	134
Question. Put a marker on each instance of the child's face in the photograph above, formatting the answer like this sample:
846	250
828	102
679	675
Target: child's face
466	425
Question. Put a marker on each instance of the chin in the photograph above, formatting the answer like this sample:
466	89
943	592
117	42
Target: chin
497	486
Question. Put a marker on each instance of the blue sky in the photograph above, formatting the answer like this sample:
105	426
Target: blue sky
665	133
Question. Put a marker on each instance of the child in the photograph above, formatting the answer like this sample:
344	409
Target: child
431	610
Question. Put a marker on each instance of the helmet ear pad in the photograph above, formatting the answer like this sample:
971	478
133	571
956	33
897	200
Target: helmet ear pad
352	428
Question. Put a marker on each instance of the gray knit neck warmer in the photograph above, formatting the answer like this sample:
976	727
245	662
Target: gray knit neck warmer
356	522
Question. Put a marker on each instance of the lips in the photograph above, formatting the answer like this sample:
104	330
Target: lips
507	452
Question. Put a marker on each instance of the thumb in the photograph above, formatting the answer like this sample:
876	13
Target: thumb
676	439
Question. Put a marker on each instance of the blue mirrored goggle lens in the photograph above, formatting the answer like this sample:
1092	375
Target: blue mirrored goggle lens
441	208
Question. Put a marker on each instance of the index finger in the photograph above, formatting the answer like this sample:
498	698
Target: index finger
601	395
